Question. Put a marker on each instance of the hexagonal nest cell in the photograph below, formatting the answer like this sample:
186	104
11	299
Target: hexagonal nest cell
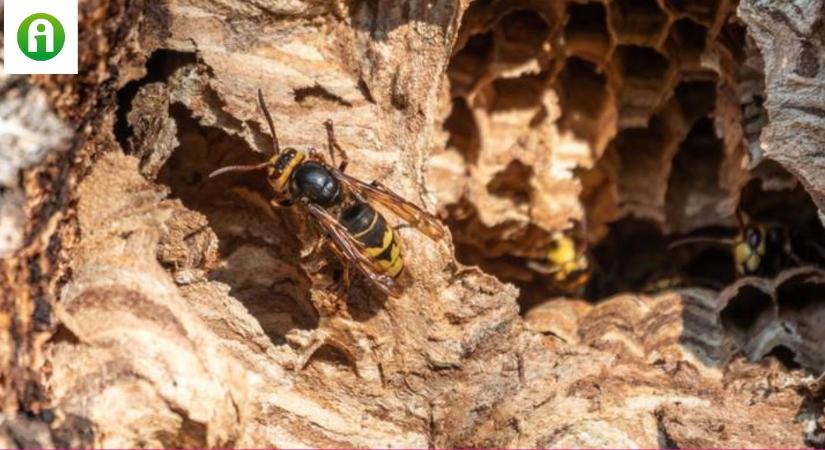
630	128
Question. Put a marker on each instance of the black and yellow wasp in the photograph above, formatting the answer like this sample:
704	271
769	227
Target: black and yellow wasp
340	205
566	263
757	248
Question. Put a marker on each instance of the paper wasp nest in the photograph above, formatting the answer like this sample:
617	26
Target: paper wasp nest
611	105
145	304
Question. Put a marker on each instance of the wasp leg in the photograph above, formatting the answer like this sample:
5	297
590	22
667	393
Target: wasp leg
343	287
313	154
332	143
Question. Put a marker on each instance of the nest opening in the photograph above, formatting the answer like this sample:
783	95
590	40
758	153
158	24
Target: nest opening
642	66
701	10
693	188
331	355
748	309
784	356
687	41
257	259
632	113
801	295
464	134
638	20
520	35
160	65
584	99
513	182
586	30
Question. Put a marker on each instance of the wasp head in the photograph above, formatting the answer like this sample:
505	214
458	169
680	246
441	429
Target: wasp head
749	249
566	257
280	168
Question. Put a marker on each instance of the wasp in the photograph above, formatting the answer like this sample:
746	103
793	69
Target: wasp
765	249
566	263
760	249
757	248
342	207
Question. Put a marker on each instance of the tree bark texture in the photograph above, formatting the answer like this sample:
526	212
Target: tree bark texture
145	304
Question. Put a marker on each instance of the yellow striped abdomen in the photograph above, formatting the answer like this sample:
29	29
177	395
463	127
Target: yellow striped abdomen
370	229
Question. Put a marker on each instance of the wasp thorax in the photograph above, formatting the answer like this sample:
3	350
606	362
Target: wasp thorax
313	181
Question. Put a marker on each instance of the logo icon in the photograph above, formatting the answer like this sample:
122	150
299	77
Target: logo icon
41	36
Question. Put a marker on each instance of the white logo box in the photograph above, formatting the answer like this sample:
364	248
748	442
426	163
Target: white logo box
15	12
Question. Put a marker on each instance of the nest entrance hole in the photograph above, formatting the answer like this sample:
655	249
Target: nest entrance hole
253	242
628	79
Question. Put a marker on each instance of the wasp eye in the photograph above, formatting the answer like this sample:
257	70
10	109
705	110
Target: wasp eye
554	244
753	237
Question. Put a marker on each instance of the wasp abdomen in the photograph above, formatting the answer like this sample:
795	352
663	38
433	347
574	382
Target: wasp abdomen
369	228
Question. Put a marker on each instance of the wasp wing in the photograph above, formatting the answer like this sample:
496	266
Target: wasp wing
424	221
351	249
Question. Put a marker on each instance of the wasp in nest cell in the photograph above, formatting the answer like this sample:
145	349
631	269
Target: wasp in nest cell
760	249
342	207
566	264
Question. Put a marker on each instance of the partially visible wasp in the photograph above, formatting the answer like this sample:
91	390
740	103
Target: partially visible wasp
566	263
340	206
757	249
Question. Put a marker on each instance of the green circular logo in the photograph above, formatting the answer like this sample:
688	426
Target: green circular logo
41	37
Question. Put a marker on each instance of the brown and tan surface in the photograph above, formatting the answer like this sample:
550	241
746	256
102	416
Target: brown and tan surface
143	304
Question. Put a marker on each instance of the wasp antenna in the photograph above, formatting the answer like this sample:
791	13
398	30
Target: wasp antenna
276	148
700	240
246	168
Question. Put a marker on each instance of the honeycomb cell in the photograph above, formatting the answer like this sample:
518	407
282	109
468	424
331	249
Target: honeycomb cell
696	99
703	11
645	75
776	193
642	65
693	191
801	294
733	38
464	134
687	42
586	103
643	158
524	92
638	22
469	64
520	37
747	312
586	34
800	301
513	182
785	356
